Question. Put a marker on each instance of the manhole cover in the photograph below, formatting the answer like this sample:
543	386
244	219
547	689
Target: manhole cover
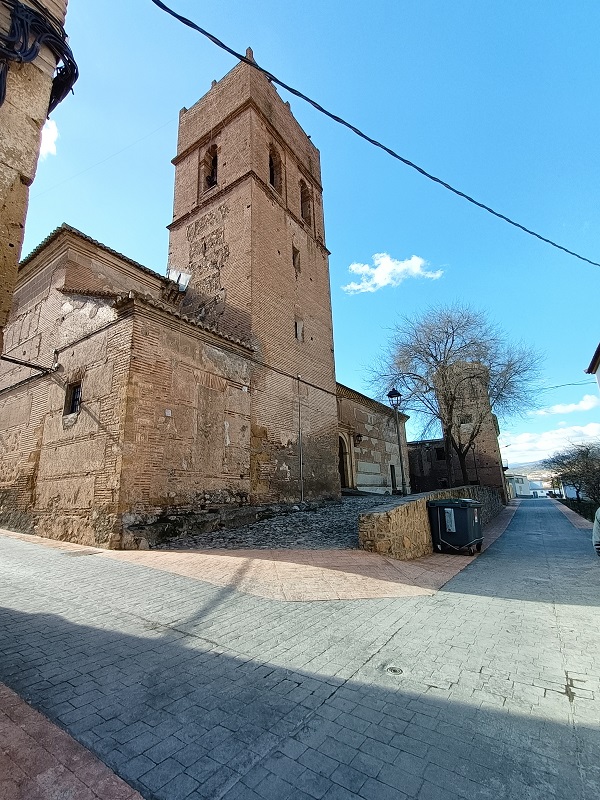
394	670
76	553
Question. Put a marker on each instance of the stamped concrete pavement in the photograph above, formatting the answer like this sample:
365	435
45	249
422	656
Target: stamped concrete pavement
485	689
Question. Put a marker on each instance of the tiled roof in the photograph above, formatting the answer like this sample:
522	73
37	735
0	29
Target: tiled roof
352	394
64	228
122	299
90	292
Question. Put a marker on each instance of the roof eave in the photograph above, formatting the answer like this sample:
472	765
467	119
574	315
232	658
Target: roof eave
594	363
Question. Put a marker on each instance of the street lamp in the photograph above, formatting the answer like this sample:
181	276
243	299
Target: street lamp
395	399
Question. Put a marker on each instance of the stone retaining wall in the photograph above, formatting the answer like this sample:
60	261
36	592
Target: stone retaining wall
400	527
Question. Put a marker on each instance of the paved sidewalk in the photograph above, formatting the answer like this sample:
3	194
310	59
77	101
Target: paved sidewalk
575	519
189	691
38	761
300	575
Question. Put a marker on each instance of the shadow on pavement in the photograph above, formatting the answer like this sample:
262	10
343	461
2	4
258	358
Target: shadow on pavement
176	715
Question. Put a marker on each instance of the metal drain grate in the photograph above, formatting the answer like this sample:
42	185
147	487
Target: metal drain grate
394	670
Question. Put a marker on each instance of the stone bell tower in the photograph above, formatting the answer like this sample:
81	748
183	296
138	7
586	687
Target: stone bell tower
248	229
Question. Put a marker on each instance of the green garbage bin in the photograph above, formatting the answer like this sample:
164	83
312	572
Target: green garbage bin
455	525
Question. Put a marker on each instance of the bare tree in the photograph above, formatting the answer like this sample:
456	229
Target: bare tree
578	466
456	371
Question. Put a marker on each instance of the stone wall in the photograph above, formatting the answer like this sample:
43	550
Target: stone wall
400	528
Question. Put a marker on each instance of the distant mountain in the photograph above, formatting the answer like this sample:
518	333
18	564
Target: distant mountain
526	466
533	469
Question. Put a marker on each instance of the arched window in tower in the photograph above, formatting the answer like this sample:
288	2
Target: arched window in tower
275	172
305	203
211	164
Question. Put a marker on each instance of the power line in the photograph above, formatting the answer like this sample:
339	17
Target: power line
560	385
358	132
103	161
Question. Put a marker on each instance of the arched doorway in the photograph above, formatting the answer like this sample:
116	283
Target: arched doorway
343	464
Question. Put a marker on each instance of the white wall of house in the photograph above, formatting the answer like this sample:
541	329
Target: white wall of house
519	485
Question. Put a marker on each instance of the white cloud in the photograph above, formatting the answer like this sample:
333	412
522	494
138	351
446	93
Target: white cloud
49	137
525	447
587	403
388	271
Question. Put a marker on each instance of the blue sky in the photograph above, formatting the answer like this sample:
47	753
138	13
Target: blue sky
501	100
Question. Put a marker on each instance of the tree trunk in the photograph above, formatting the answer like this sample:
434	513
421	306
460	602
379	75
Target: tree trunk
462	460
448	453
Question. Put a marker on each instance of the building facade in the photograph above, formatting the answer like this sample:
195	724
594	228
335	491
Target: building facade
518	485
472	426
128	398
369	454
27	98
248	229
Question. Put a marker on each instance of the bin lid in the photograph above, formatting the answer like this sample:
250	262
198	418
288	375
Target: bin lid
454	502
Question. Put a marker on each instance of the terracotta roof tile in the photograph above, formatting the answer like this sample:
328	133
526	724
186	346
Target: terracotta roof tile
145	299
64	228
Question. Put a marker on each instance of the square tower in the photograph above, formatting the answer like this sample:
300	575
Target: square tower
248	229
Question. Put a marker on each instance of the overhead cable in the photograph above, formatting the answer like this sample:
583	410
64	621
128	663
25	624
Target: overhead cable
358	132
560	385
32	27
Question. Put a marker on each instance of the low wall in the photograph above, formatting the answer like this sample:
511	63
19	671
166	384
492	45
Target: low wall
400	528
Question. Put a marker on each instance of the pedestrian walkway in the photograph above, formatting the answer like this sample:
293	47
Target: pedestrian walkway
38	761
575	519
299	575
487	688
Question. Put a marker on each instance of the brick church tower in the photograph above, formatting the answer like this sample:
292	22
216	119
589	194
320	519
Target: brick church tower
248	229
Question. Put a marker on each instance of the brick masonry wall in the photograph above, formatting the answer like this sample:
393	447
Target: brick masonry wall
187	423
238	88
400	529
286	414
260	271
78	474
43	318
213	245
22	117
59	474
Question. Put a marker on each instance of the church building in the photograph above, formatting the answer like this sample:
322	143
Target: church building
127	397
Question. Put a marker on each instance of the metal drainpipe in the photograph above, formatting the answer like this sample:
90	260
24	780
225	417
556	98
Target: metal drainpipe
300	451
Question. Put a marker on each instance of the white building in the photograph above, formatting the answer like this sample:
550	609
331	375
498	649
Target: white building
518	485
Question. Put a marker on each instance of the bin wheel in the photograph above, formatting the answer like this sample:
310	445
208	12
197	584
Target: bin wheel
478	546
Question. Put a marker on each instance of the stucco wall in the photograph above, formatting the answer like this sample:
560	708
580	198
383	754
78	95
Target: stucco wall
400	528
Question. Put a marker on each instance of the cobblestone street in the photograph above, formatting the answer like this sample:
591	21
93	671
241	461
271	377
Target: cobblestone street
332	525
487	688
